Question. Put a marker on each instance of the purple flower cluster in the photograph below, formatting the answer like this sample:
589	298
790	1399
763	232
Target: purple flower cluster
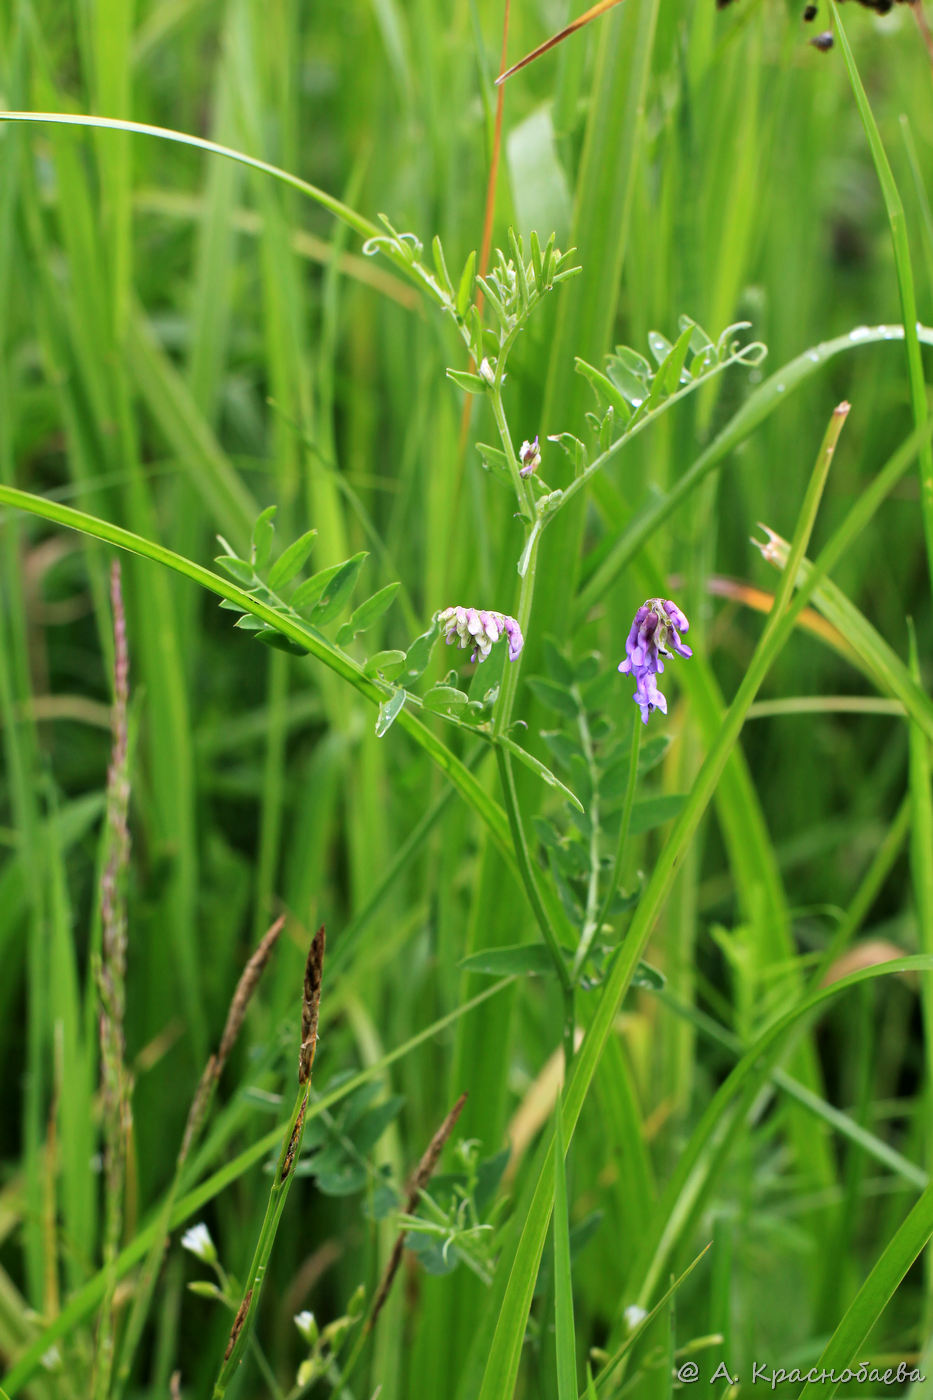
481	629
655	632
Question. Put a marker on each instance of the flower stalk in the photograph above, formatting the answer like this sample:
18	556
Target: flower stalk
284	1172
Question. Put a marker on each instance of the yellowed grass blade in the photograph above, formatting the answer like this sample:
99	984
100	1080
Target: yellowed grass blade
593	13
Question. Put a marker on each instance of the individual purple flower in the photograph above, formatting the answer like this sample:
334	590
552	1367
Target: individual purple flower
530	457
481	629
655	633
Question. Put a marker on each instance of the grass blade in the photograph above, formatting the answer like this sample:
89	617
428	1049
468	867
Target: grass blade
905	276
564	1340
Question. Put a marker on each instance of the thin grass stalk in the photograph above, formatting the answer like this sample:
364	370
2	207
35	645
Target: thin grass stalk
360	225
116	1084
284	1172
420	1178
905	277
921	870
615	875
564	1338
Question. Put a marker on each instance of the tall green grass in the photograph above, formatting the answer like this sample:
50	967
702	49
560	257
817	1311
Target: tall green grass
191	331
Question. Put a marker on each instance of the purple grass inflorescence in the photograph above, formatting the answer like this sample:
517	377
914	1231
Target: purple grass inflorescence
481	629
655	632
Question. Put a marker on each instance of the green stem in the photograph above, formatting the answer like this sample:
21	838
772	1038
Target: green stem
624	827
526	869
503	718
522	490
281	1185
591	921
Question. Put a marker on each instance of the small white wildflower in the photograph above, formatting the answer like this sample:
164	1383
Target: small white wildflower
634	1316
51	1360
307	1326
198	1241
487	372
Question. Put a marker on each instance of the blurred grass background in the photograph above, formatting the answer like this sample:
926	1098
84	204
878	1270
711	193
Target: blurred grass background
184	342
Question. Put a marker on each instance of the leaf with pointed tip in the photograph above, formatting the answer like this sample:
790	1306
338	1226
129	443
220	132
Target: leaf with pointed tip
291	561
541	769
262	537
516	960
469	383
604	388
280	642
367	613
336	591
389	711
629	386
670	372
419	653
465	290
238	569
384	663
444	698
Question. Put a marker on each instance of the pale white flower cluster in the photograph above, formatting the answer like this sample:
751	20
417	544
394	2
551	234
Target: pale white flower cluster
480	629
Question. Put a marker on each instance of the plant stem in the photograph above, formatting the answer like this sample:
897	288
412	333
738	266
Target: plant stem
626	822
590	921
503	718
281	1184
525	867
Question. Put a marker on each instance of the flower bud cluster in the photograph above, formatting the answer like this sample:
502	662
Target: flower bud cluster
481	629
530	457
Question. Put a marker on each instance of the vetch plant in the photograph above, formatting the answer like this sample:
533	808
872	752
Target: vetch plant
108	380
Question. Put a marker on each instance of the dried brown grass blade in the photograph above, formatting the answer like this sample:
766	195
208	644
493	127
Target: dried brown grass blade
422	1174
249	980
593	13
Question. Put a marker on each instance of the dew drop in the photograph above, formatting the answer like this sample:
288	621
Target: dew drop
860	333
